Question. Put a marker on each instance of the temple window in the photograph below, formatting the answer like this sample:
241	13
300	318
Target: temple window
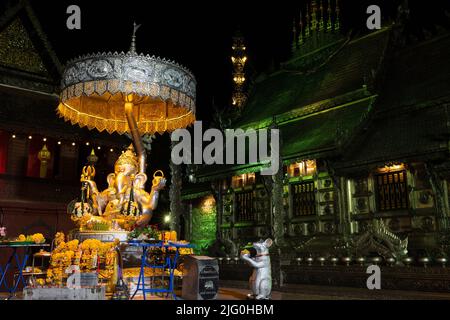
304	199
302	168
245	210
243	180
391	188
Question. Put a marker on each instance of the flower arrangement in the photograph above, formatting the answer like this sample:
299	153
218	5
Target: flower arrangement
59	237
147	233
87	255
106	222
36	238
40	282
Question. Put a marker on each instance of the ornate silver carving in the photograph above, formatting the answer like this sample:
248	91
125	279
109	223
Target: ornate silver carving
129	73
378	238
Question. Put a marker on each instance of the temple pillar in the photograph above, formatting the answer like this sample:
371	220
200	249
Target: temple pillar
277	207
217	193
342	199
437	184
188	219
277	216
176	208
343	206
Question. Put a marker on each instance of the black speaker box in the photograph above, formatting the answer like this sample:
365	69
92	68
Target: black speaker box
200	278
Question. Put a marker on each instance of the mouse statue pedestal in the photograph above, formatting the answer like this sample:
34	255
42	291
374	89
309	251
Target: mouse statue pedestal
261	279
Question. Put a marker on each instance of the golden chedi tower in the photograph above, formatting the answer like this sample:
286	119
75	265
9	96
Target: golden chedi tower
238	59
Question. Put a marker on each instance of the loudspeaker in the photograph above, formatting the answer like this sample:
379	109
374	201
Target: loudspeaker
200	278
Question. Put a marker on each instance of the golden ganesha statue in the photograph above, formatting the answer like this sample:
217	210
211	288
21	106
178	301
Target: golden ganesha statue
125	204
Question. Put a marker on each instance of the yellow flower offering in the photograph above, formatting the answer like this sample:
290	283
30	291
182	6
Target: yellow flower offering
40	282
38	238
72	245
21	238
244	252
59	238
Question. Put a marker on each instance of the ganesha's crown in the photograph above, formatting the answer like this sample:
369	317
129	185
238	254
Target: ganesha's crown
128	157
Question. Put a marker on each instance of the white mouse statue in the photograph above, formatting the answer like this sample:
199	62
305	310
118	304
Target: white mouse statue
261	279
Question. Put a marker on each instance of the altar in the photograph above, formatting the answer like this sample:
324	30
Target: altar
125	93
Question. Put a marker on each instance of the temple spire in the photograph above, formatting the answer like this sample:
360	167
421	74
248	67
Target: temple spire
316	34
239	59
313	15
321	22
329	24
337	24
133	38
307	21
294	34
300	34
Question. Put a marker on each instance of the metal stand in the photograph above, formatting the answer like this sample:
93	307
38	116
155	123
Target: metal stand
20	263
170	264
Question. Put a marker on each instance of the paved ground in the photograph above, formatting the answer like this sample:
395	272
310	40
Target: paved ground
307	292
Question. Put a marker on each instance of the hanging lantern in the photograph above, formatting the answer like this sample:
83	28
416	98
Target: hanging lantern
92	158
44	156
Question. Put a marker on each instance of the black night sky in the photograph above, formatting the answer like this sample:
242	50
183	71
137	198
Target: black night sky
198	35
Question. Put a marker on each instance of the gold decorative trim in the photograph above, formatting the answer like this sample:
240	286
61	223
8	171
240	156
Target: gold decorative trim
120	126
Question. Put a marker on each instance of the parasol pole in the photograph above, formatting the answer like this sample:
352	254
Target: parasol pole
132	124
134	131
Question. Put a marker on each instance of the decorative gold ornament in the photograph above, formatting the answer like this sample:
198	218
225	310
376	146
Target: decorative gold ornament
121	93
125	202
128	158
44	156
92	158
95	87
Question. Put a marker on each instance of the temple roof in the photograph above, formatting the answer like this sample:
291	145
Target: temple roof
196	190
30	74
27	59
310	136
318	101
403	136
418	74
345	68
412	112
332	108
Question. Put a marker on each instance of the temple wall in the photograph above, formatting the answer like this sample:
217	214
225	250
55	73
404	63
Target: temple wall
28	217
17	156
36	189
69	162
202	227
325	213
30	205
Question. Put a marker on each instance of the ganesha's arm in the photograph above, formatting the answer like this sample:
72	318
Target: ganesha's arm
99	199
154	197
148	203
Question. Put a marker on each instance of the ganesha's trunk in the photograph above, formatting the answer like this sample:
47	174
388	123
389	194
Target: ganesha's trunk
135	135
